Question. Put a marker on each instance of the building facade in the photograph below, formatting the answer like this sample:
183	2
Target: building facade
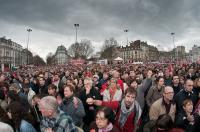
180	53
10	52
27	57
138	51
195	53
61	56
166	56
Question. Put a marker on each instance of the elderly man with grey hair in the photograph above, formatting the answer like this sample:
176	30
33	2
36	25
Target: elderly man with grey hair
54	120
163	105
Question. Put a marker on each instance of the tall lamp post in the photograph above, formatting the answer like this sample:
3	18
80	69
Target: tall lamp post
76	26
28	30
126	31
173	34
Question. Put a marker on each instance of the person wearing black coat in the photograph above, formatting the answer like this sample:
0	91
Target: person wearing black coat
87	96
43	89
185	119
186	93
197	86
176	84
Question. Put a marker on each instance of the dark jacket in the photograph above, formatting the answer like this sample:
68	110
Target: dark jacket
177	88
197	120
168	81
24	101
89	109
76	113
182	122
150	126
197	91
34	87
181	96
191	76
43	89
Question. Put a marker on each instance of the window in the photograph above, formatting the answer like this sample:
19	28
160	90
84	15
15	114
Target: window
7	53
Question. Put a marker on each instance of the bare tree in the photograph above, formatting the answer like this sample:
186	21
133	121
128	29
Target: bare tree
109	48
81	50
50	59
37	60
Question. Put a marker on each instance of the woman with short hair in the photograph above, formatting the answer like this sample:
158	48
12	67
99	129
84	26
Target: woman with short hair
104	122
185	119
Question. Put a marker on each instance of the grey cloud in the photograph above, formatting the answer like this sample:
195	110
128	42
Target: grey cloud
98	19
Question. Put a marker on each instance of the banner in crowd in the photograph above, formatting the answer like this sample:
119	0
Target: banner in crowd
77	61
103	62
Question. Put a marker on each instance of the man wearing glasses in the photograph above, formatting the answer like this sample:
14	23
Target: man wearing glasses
163	105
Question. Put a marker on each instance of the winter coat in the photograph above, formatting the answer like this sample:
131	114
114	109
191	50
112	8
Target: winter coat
158	108
76	113
89	109
182	122
154	94
181	96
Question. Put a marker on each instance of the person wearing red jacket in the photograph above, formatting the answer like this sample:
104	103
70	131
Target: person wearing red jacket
115	75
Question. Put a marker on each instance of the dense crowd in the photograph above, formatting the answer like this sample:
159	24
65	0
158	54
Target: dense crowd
101	98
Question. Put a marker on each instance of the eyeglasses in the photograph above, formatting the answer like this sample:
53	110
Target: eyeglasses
170	93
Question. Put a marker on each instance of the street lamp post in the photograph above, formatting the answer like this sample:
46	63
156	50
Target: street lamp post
126	31
173	34
76	26
28	30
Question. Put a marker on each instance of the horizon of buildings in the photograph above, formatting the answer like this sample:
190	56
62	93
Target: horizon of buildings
14	54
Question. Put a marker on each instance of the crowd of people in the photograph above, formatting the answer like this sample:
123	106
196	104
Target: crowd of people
101	98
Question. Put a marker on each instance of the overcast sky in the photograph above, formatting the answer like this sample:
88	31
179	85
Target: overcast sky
52	22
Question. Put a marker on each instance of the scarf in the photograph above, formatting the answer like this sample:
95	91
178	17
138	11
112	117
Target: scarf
107	129
124	113
112	92
135	107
